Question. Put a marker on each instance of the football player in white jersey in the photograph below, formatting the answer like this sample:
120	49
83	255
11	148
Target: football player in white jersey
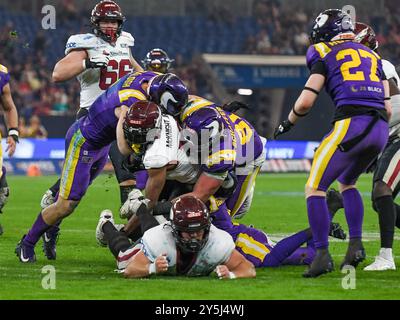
187	245
386	184
97	60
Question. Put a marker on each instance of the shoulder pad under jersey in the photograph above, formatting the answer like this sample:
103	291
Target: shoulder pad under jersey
128	38
81	41
158	240
221	243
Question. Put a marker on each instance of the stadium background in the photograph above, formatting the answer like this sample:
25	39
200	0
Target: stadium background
273	33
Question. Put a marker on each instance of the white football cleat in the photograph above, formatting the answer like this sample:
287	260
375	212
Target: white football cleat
381	264
132	204
105	216
47	199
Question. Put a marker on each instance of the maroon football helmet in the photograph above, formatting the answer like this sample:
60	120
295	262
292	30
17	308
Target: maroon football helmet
189	214
142	123
107	11
366	36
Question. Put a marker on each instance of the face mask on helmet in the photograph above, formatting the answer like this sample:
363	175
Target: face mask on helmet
107	11
169	92
142	123
190	215
332	24
157	60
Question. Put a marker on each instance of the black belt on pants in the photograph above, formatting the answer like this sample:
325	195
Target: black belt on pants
349	111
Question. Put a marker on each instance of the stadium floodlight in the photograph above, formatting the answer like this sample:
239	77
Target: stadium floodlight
245	92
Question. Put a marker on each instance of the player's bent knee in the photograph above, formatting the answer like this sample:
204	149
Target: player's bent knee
344	187
381	189
65	207
311	192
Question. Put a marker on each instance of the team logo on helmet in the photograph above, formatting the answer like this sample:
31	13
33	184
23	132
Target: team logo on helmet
190	215
332	24
142	123
366	36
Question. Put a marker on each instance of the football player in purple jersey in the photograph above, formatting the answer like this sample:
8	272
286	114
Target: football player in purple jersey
352	75
11	117
88	142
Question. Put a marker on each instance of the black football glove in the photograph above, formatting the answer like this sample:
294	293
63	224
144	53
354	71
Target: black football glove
133	163
235	106
283	127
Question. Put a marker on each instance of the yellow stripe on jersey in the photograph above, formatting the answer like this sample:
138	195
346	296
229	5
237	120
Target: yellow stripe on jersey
251	246
325	152
194	105
220	156
71	161
245	190
322	49
130	93
3	69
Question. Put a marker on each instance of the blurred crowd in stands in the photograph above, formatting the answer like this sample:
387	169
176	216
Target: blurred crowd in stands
281	30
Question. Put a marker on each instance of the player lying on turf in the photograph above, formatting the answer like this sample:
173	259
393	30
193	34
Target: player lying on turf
87	144
187	245
288	251
353	76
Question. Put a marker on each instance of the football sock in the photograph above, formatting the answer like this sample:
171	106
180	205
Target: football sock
147	220
319	219
397	215
55	188
387	220
286	250
117	241
354	211
3	180
124	192
38	228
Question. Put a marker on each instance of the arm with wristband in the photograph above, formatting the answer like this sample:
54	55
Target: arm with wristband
11	116
303	104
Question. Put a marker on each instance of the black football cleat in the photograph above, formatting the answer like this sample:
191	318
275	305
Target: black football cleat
25	252
334	200
322	264
337	231
355	254
50	238
1	230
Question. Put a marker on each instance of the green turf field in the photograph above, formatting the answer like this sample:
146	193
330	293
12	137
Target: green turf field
85	270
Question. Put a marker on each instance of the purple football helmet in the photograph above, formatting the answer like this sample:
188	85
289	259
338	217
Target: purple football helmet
206	125
329	24
169	92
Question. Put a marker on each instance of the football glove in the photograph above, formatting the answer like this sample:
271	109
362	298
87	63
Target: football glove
283	127
100	61
235	106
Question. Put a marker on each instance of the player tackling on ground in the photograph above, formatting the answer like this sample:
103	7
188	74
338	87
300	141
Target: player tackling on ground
354	78
187	245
